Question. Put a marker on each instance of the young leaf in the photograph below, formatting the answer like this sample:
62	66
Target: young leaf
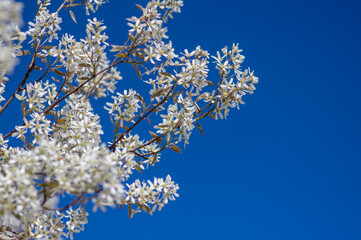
211	83
116	48
23	107
138	169
175	148
121	55
43	59
24	52
202	96
200	128
212	116
139	7
149	210
38	68
72	16
59	73
155	158
55	80
137	70
197	107
141	206
130	212
166	74
47	47
84	65
156	137
153	134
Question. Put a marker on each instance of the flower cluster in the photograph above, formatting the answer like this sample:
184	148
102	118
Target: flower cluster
46	25
85	59
178	123
155	193
53	226
10	35
58	158
124	107
93	5
11	39
235	83
36	95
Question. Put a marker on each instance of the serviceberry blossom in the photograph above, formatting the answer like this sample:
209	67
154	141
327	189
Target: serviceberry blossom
46	25
58	157
124	107
11	39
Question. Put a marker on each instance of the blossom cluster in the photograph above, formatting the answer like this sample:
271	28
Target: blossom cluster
11	39
46	25
124	107
156	193
58	157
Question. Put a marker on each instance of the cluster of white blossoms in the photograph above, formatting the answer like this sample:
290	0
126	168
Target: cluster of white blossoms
46	25
124	107
57	157
156	193
11	39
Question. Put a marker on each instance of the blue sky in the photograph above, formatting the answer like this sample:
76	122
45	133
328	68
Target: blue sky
287	165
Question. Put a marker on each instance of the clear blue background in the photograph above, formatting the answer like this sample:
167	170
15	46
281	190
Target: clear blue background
287	165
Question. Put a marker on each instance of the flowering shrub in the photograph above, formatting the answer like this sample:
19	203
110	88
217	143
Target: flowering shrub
57	151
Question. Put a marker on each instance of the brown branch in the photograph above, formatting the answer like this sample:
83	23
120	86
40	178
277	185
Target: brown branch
27	74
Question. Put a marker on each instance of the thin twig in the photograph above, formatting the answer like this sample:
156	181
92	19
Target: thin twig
20	87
